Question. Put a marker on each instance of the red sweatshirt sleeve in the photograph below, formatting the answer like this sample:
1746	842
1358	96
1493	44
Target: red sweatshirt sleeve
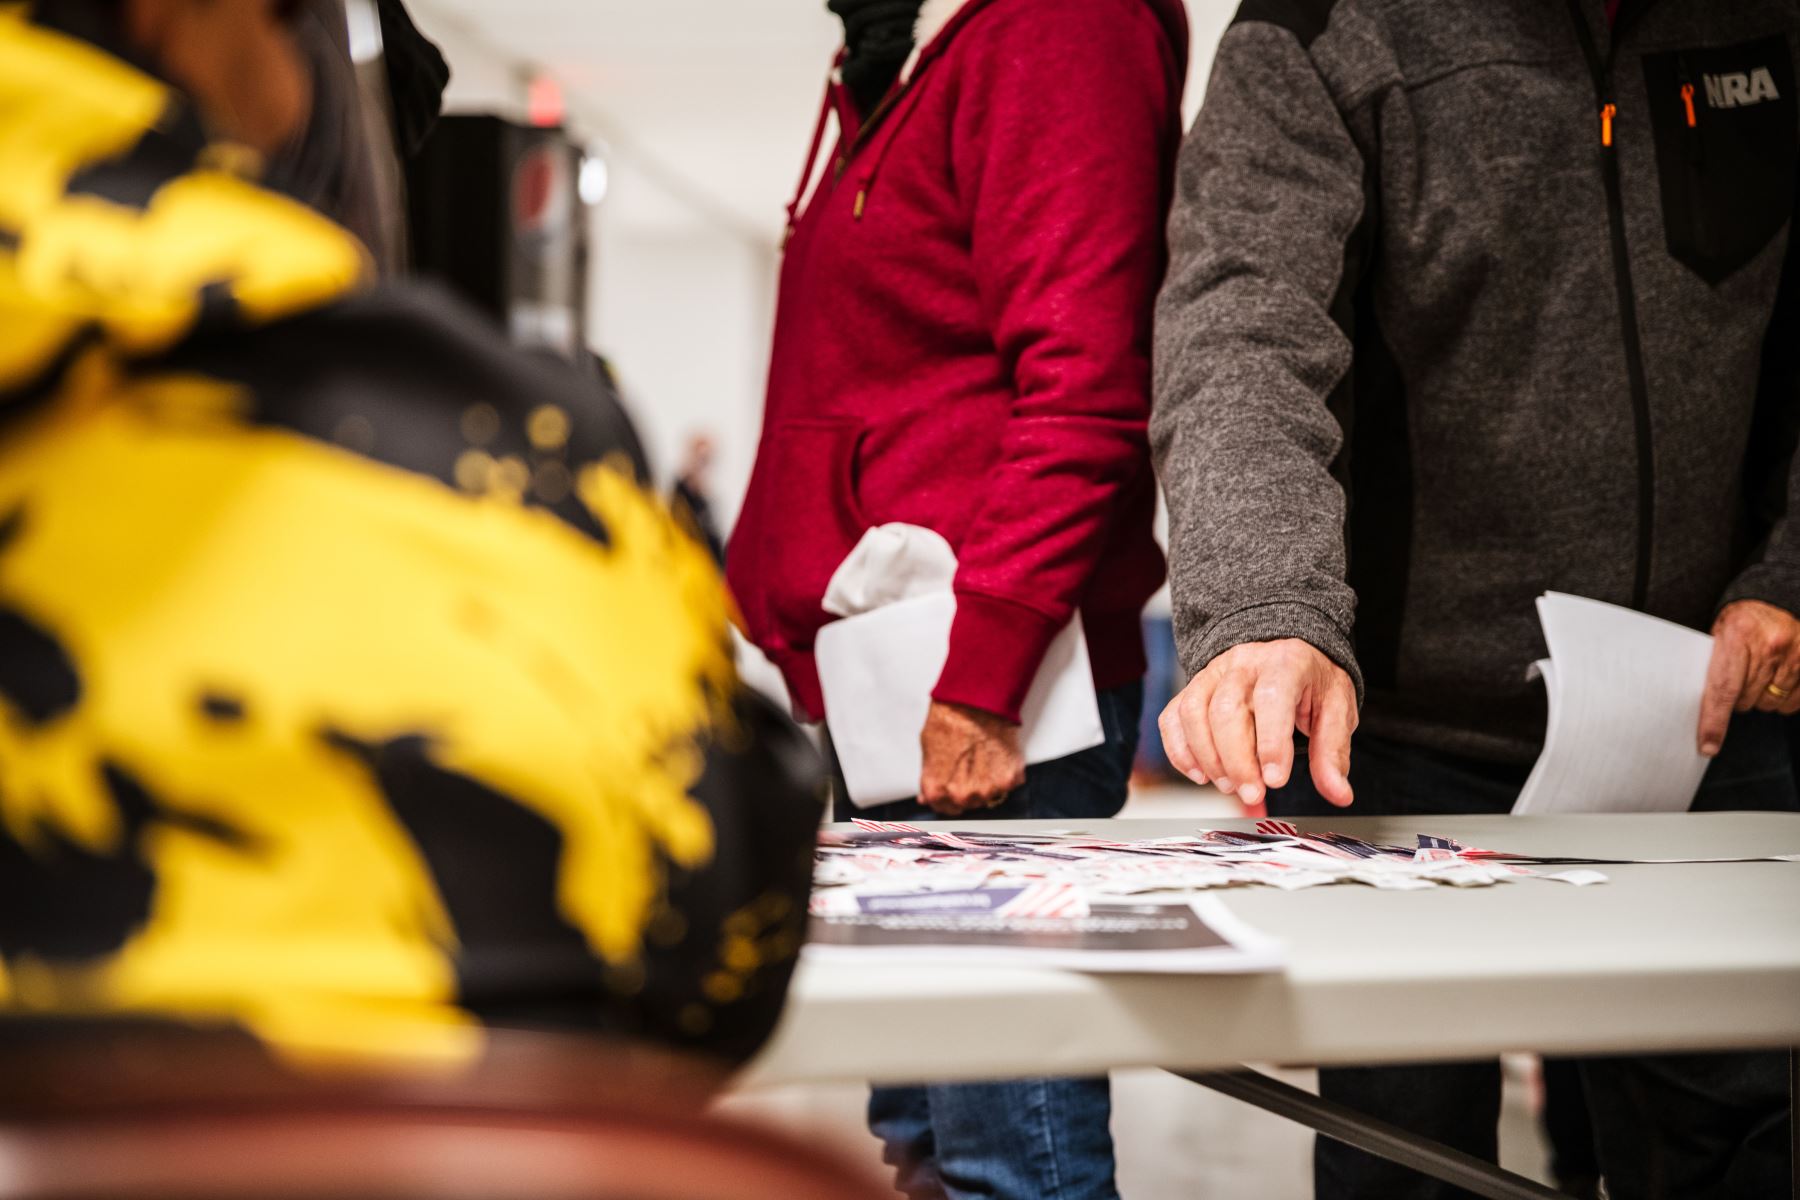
1066	117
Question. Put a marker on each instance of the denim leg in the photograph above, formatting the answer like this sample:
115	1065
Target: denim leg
1093	784
1162	680
901	1118
1033	1139
1036	1139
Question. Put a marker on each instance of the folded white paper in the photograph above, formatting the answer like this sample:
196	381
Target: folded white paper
891	563
879	664
1624	692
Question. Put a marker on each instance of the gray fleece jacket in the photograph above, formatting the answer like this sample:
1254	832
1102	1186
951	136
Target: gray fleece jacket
1471	299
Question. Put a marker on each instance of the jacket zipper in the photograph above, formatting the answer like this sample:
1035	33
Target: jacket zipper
876	116
1693	151
1690	139
841	163
1601	68
881	112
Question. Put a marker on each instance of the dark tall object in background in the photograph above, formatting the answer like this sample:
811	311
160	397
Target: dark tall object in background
496	213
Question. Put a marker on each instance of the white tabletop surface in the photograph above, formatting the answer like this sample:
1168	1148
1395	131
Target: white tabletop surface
1660	958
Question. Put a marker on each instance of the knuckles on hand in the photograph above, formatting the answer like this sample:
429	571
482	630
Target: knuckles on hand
1217	722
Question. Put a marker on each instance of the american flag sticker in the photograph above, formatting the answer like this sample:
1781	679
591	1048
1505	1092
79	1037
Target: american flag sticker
1047	900
886	826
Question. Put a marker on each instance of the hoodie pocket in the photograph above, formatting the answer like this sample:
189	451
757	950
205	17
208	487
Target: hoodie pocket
816	518
1726	135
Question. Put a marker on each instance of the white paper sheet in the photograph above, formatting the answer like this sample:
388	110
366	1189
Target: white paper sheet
878	670
880	663
1624	692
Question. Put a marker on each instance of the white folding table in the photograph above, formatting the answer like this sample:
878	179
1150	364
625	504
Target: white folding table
1661	958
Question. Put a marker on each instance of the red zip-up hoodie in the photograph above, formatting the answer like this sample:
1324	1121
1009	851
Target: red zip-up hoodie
962	342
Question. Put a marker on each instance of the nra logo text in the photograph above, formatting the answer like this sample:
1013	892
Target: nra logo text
1741	89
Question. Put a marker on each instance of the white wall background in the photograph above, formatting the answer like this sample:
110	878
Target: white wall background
704	107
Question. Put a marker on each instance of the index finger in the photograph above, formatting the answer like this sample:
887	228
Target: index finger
1329	750
1276	702
1724	681
1232	724
1175	744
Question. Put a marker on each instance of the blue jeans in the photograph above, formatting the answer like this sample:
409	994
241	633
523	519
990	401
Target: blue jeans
1669	1127
1026	1139
1162	680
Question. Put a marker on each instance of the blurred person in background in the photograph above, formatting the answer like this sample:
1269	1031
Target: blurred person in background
354	690
691	497
1464	306
963	343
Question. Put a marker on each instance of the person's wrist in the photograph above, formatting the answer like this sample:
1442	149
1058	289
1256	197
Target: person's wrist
979	716
996	648
1271	623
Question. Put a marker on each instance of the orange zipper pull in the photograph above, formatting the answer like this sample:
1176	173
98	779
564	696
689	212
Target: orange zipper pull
1687	98
1606	123
862	198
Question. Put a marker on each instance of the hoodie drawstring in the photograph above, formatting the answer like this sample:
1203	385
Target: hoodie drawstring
812	161
905	107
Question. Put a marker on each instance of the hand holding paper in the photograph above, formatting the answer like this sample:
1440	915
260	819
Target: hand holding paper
972	760
879	664
1755	664
1624	692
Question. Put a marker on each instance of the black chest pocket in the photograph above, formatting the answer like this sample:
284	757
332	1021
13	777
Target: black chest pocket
1727	143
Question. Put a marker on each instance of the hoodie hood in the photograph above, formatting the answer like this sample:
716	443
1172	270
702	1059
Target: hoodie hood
939	21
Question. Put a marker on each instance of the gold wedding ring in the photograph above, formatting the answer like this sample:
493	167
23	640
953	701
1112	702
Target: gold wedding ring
1780	693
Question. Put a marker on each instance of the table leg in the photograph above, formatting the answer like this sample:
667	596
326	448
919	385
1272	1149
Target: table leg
1379	1138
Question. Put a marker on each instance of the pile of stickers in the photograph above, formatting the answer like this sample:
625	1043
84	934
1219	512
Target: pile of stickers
1054	872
